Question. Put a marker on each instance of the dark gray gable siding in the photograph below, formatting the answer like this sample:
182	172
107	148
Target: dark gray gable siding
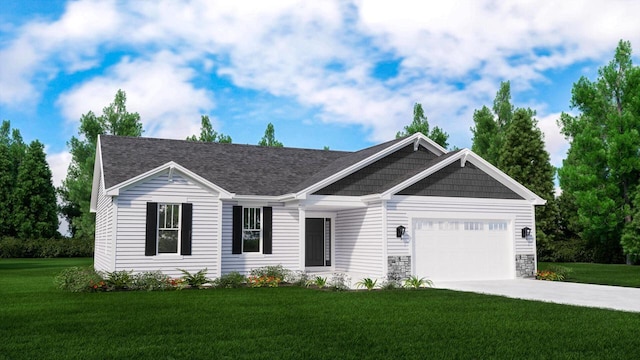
382	174
456	181
240	169
343	163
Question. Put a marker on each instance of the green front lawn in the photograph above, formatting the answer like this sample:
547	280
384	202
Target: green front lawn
604	274
39	322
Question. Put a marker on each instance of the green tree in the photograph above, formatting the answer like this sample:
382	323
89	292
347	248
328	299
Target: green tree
421	124
269	138
6	192
208	134
35	209
75	191
13	152
524	158
490	127
604	171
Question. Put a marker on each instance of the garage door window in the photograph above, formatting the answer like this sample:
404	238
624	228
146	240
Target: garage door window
473	225
497	226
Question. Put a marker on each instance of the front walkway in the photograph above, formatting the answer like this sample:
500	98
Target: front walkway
599	296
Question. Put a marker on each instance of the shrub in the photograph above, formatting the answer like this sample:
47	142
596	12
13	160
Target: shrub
195	280
298	278
548	275
560	270
414	282
277	271
262	281
390	285
45	248
231	280
318	281
367	283
80	279
339	282
119	280
152	281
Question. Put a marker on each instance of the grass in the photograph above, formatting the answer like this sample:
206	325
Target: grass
38	321
603	274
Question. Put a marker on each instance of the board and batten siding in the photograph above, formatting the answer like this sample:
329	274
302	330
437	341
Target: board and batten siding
285	242
399	210
132	202
358	242
103	251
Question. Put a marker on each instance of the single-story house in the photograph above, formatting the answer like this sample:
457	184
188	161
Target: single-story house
404	207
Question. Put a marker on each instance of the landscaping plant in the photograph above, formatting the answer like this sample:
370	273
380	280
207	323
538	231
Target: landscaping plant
367	283
80	279
195	280
231	280
415	282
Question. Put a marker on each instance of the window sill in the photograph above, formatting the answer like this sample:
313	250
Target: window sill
168	257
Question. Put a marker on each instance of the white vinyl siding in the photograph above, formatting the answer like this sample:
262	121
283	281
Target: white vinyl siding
285	242
358	240
399	209
131	214
103	251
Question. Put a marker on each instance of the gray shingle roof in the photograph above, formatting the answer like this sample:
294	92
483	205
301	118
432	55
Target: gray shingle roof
246	169
240	169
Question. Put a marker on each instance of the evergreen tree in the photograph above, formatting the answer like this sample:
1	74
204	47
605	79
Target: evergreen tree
604	172
524	158
35	209
208	134
421	124
14	150
75	191
6	192
269	138
490	127
485	134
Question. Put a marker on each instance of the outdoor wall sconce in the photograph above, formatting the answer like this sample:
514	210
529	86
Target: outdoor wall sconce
526	232
400	231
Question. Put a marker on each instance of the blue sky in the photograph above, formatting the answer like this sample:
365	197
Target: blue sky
343	74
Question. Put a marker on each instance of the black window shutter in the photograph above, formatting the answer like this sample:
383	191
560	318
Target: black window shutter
267	233
236	244
152	229
185	229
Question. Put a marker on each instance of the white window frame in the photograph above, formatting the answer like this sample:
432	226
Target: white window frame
251	228
178	228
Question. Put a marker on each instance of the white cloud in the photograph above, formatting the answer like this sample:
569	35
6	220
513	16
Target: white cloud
58	163
287	48
555	143
159	89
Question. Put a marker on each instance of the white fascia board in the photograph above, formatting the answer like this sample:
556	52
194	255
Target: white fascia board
334	201
456	200
115	190
416	139
465	156
98	175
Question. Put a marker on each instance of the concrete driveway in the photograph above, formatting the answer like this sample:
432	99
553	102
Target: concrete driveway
599	296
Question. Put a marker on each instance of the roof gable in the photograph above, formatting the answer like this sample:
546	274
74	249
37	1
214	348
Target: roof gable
457	181
240	169
381	174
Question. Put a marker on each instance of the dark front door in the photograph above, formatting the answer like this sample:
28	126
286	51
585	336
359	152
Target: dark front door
314	242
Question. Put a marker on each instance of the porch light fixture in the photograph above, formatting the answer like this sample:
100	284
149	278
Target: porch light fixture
526	232
400	231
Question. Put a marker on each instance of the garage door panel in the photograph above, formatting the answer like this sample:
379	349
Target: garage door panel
470	250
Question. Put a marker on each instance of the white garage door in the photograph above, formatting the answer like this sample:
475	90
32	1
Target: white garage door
463	249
